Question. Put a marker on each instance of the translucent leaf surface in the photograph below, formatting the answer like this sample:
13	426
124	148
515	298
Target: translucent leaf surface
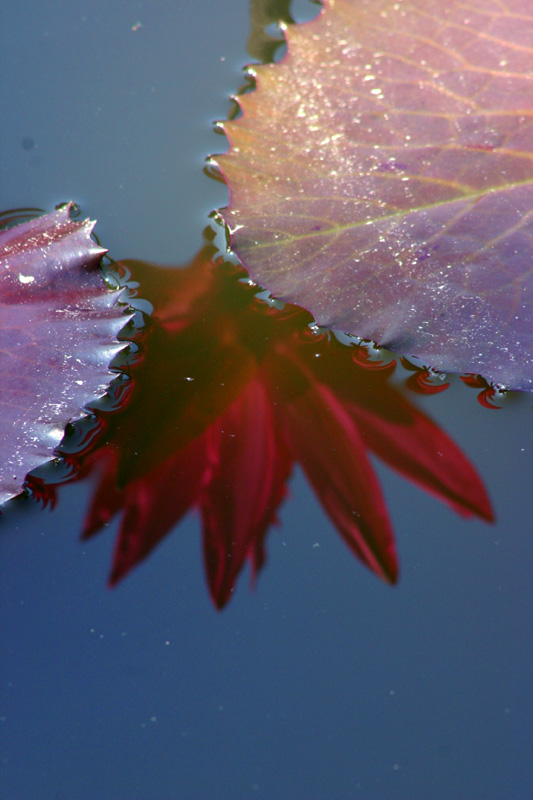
58	327
382	176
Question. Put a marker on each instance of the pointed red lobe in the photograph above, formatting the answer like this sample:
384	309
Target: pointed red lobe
248	469
423	453
399	433
329	448
154	504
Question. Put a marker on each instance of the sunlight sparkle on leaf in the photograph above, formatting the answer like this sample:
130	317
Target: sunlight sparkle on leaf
58	328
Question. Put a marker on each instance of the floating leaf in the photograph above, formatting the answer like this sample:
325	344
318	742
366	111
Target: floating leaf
58	327
382	177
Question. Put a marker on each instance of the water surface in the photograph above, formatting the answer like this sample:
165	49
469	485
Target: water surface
324	682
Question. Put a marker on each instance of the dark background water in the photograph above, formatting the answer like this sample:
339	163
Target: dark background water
323	682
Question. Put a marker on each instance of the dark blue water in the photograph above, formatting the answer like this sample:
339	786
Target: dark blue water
324	682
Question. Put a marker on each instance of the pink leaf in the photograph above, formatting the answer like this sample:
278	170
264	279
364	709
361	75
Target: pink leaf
58	328
382	177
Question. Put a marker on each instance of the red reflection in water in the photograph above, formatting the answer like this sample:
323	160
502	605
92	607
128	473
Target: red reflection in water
490	395
423	380
229	394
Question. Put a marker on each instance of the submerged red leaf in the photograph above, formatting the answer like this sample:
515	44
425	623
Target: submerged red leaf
382	177
58	328
231	392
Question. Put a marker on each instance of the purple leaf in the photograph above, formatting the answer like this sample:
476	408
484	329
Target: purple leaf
382	177
58	328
